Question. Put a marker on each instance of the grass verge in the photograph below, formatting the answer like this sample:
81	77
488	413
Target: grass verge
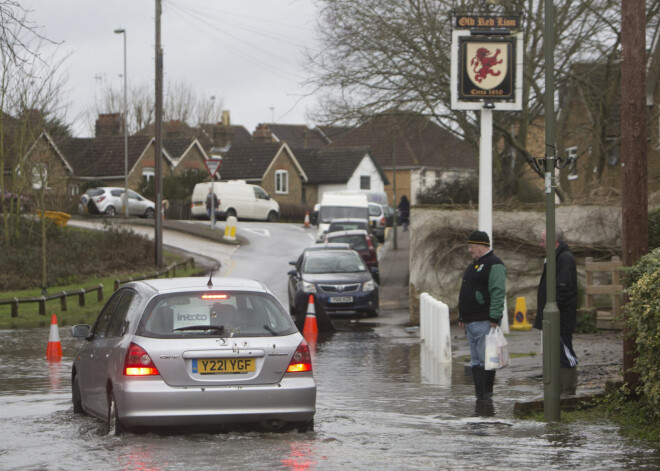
28	313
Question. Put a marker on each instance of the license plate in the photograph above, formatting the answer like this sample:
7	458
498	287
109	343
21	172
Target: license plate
341	299
209	366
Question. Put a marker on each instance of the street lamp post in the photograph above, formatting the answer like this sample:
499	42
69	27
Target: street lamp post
125	203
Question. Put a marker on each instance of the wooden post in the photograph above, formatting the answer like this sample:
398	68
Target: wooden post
63	301
81	298
589	281
14	308
99	296
42	306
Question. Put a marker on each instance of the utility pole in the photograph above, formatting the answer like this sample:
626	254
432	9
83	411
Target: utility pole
551	341
634	186
158	236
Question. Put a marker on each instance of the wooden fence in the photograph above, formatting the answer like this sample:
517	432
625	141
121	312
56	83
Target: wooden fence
605	319
41	300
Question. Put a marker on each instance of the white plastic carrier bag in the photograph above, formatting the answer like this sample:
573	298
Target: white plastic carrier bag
497	350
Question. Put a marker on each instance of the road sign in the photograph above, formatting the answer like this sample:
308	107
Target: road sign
213	165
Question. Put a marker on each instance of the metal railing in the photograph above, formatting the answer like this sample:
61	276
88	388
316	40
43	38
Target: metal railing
62	296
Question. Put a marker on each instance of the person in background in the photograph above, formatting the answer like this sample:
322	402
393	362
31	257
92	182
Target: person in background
404	212
567	301
481	306
211	202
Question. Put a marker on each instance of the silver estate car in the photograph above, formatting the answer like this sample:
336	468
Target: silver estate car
194	351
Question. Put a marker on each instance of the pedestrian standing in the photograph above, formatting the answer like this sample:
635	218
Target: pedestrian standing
567	301
211	205
404	212
481	306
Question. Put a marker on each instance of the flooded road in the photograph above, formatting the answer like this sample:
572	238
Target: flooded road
382	404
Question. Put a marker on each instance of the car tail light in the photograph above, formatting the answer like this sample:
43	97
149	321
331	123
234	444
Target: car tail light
301	361
138	362
370	244
382	221
101	198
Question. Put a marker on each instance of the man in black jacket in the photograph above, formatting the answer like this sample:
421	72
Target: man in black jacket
481	306
567	301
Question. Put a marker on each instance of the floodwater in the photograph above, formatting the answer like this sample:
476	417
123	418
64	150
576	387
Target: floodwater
382	404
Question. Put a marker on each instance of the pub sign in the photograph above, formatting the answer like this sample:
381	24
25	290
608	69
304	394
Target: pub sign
486	68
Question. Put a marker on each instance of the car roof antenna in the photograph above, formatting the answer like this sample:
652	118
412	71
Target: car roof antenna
210	282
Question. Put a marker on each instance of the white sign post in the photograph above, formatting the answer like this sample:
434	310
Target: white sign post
212	165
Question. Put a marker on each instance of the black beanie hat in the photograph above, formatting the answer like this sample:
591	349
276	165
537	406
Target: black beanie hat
480	238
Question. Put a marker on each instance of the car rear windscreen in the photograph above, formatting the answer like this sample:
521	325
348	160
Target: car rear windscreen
218	313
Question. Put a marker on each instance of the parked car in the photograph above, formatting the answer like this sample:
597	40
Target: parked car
378	220
349	224
339	279
181	352
110	201
360	241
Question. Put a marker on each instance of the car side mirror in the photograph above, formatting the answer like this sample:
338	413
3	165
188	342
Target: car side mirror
292	262
292	272
80	331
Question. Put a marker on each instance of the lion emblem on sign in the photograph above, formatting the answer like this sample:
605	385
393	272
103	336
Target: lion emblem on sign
487	64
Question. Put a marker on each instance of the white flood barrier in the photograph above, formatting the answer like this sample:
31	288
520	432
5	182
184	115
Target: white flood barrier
434	327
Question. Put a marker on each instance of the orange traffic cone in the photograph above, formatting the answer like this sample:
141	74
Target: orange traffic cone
307	219
54	351
310	319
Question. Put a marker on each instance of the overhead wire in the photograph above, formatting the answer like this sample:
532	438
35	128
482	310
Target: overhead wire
196	18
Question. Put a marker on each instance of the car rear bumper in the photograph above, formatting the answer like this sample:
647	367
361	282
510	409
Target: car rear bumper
154	403
362	302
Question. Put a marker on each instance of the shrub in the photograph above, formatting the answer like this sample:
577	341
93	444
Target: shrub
459	191
643	323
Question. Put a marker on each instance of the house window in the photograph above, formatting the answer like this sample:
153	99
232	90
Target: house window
571	152
365	182
281	181
39	176
148	174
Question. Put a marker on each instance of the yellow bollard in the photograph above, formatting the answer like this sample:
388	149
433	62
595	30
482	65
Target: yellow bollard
230	228
520	316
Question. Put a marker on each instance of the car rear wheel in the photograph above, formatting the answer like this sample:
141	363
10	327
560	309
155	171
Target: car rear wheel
272	216
149	213
115	427
76	396
304	427
111	211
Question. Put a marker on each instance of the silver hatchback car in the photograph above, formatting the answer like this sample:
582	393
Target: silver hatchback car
184	352
110	201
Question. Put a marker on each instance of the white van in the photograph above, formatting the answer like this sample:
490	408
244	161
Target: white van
340	205
237	198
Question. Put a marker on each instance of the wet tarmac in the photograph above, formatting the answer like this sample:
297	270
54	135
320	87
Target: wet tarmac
383	403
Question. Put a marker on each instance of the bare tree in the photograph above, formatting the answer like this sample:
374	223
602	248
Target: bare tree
181	102
382	54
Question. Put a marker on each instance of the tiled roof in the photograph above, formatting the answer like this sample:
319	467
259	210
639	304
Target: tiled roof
418	142
102	156
248	161
298	136
177	146
330	165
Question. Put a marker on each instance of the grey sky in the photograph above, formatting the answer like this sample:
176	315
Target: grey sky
247	53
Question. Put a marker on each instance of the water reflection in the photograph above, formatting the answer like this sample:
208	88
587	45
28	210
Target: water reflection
300	457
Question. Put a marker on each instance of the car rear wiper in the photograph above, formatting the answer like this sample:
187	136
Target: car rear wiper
217	328
271	331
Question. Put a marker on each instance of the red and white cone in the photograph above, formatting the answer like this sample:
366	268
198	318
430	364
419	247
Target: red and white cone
54	350
307	219
310	326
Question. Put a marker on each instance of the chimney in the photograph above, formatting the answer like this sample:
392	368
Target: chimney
109	124
226	121
262	134
173	129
